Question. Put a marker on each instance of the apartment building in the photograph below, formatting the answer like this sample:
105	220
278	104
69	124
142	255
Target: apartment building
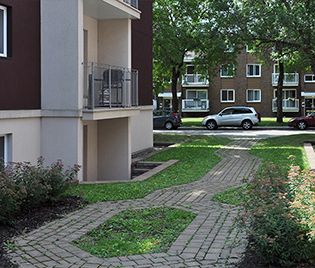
249	83
76	83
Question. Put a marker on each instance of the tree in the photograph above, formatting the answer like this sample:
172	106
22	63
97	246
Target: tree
288	27
175	27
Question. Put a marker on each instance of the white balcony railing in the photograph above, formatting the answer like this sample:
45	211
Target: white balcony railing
195	80
288	105
110	86
195	105
290	79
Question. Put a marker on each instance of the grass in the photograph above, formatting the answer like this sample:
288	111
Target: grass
136	232
236	196
196	157
282	152
265	121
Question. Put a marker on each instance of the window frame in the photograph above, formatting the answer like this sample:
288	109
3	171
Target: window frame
7	148
253	89
228	90
197	90
283	90
247	69
227	76
313	78
5	32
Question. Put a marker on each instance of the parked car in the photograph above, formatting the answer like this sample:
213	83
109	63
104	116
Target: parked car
166	119
238	116
303	122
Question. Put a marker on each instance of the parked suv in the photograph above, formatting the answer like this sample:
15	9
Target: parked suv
239	116
166	119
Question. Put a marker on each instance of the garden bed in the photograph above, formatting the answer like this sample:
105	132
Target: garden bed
32	219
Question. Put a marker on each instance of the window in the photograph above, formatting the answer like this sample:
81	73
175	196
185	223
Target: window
309	78
249	48
286	94
3	31
227	95
6	148
227	70
253	95
197	94
253	70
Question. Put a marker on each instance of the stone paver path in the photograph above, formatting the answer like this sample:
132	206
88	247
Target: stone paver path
211	240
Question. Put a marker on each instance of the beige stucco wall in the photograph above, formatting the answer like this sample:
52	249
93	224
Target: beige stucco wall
91	25
25	138
115	42
142	129
62	138
114	149
92	148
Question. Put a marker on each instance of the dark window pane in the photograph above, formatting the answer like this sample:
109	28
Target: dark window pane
230	95
224	95
257	70
1	148
1	31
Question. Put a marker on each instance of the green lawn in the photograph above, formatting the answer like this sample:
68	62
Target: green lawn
236	196
196	157
265	121
132	232
282	152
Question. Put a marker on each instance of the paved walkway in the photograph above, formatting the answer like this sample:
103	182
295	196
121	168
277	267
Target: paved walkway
211	240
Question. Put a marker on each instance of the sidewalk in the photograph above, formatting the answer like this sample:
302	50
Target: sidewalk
211	240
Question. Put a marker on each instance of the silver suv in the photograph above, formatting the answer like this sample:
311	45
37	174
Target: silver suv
238	116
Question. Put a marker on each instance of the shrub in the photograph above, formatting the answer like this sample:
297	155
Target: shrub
282	213
24	185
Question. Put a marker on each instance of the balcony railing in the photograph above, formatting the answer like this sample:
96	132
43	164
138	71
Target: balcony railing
195	105
110	86
195	79
290	79
288	105
133	3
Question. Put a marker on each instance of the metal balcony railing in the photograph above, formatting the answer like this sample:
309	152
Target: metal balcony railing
133	3
110	86
288	105
191	105
290	79
195	79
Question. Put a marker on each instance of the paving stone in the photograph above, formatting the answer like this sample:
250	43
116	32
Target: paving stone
212	238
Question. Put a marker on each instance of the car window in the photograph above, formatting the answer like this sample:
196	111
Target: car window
227	111
242	111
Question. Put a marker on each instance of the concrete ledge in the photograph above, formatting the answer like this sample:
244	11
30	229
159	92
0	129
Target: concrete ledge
309	150
144	176
155	170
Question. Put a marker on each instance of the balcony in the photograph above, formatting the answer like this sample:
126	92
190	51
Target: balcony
290	79
288	105
110	87
133	3
195	105
195	80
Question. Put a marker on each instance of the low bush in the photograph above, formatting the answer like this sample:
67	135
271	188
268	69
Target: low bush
23	185
282	213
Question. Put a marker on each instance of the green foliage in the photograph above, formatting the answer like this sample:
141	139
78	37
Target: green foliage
233	196
281	206
23	185
136	232
196	157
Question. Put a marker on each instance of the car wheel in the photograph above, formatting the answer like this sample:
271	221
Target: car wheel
211	125
168	125
302	125
247	124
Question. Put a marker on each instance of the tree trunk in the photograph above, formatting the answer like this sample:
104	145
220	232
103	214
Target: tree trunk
279	93
175	76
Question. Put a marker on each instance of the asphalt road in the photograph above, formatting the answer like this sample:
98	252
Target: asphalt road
255	132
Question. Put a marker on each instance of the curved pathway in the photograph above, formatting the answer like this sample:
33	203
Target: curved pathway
211	240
